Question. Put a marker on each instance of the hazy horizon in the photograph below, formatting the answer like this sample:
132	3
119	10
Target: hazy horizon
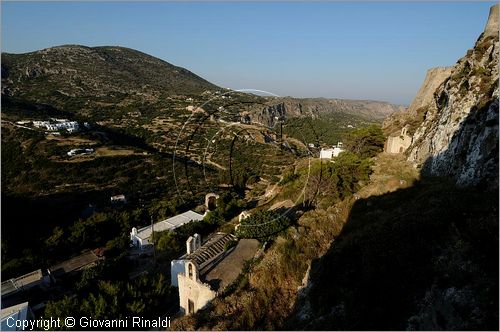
362	51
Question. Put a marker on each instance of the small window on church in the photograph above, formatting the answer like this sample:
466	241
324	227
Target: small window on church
190	271
400	149
190	307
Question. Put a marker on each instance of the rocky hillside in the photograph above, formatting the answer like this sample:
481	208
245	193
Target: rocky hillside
454	116
314	107
458	136
107	73
413	116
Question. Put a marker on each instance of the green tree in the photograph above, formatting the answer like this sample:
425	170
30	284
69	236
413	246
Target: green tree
168	243
56	238
366	141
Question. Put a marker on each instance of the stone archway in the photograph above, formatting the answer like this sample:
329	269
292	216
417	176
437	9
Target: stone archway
211	201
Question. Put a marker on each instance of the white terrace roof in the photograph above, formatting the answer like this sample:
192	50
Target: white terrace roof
12	285
169	224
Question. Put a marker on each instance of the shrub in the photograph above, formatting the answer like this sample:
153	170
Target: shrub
262	225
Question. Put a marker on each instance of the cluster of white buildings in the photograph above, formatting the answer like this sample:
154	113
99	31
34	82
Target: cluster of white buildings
58	124
331	152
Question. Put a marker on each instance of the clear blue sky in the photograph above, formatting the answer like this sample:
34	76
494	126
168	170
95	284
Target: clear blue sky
357	50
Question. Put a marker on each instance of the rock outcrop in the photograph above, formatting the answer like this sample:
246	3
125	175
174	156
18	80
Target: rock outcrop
314	107
458	136
492	24
412	117
425	95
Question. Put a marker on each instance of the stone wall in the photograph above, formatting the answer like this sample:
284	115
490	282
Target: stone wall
192	289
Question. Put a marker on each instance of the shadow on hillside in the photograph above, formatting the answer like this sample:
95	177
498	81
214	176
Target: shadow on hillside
424	257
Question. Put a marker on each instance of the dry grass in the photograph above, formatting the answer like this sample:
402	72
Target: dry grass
107	152
390	172
70	140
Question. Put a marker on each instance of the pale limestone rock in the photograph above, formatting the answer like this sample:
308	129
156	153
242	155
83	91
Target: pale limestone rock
459	133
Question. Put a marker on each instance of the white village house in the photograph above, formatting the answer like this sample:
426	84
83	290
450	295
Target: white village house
118	199
70	126
142	237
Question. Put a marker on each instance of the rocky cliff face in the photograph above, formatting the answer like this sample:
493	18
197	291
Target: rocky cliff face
413	116
425	95
458	135
314	107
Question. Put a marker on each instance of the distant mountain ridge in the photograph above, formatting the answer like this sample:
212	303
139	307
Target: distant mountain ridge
76	75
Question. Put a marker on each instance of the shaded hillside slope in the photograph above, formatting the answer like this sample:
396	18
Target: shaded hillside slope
405	260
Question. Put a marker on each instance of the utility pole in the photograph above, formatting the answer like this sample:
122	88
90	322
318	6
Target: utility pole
281	134
153	240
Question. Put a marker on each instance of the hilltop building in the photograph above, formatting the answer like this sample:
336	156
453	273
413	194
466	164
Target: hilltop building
398	144
206	270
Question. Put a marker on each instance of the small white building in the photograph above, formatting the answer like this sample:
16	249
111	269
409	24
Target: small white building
190	272
74	152
118	199
40	124
142	237
398	143
330	153
243	215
